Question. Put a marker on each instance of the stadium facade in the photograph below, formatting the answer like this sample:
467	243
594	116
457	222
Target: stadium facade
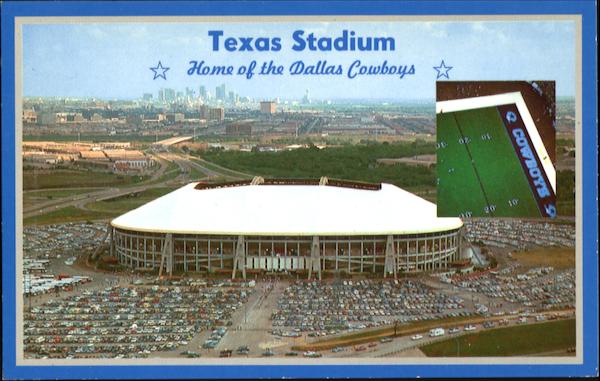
311	226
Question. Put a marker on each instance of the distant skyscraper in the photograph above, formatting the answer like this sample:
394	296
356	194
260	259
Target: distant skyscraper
169	95
233	97
147	96
221	92
161	95
203	92
189	93
306	99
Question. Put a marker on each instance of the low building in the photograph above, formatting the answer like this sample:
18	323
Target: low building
46	118
128	160
212	113
175	117
238	129
93	155
217	114
267	107
29	116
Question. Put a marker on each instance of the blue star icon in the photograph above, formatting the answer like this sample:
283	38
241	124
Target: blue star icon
159	71
442	70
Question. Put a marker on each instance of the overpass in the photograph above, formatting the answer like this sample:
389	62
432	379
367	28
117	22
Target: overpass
173	140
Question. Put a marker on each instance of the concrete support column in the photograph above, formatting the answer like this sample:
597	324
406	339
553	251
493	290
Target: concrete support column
390	258
111	240
239	260
458	235
166	255
315	257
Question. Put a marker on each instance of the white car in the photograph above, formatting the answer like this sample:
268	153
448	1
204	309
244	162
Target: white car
470	328
417	337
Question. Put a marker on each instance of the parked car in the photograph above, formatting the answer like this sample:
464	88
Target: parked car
436	332
312	354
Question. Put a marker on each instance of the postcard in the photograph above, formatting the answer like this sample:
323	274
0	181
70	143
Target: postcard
299	189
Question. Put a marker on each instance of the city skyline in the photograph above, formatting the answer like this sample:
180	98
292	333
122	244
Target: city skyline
114	61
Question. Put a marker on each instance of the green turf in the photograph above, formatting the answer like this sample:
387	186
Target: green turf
34	197
458	192
65	178
100	209
497	164
223	171
478	169
510	341
123	204
67	214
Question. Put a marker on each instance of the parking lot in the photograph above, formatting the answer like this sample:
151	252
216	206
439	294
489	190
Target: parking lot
124	315
62	240
132	321
518	233
322	309
539	288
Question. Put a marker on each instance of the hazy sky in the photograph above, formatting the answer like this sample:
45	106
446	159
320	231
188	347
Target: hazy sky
113	60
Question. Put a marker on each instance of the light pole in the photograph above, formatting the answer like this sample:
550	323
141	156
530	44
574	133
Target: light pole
28	292
457	346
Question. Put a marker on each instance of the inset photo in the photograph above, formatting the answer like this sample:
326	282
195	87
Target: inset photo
496	150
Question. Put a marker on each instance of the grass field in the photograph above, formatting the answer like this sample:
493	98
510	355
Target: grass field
351	162
98	210
510	341
64	178
119	205
455	174
478	170
67	214
37	196
402	330
565	192
559	258
222	170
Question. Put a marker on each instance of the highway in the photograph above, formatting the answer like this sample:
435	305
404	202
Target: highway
184	162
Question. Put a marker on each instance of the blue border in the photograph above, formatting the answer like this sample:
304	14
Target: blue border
586	8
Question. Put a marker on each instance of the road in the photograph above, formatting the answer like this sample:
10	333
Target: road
184	162
405	345
80	200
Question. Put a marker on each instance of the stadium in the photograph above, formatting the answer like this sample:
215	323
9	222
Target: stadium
296	226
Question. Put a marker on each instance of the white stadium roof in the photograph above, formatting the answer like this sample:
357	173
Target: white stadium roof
304	210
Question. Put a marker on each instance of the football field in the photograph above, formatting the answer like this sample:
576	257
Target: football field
489	165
